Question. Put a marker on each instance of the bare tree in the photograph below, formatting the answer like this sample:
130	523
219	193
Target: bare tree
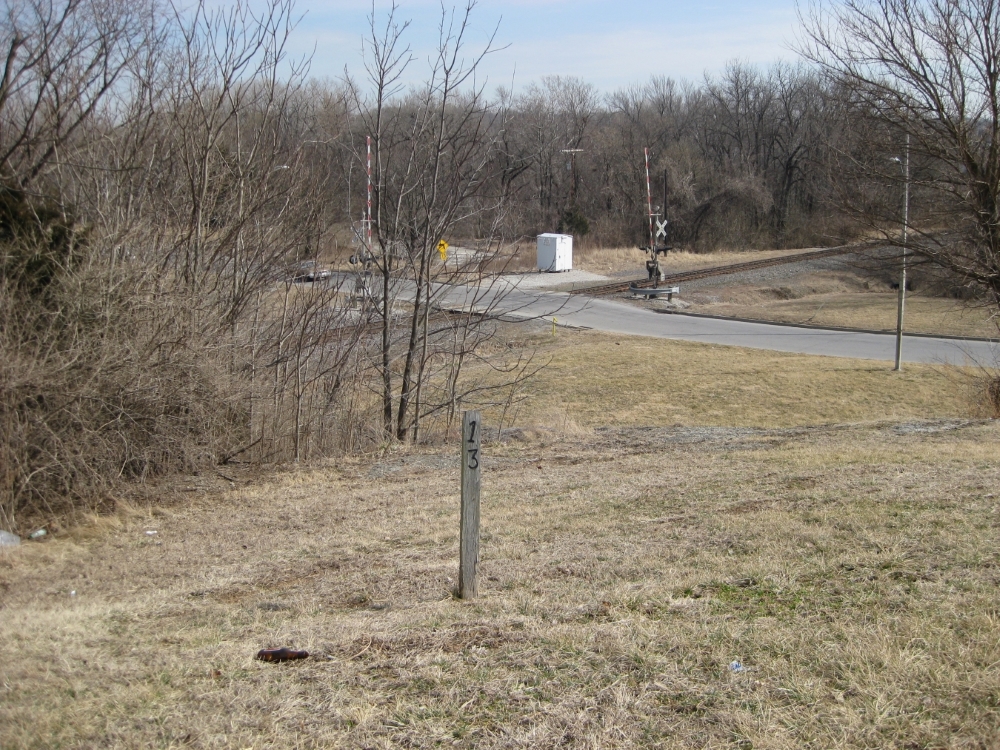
928	72
60	61
433	159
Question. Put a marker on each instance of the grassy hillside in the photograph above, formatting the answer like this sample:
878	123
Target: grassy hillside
654	518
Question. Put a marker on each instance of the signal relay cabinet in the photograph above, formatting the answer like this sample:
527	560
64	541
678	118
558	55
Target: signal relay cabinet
555	252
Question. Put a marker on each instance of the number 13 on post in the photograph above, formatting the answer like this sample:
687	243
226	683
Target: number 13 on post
468	565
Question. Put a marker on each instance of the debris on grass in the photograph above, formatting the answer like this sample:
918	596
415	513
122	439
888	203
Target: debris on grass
281	654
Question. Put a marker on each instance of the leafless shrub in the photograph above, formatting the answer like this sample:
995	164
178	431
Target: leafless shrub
992	394
92	392
138	330
985	393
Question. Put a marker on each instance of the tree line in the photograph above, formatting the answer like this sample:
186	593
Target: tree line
743	160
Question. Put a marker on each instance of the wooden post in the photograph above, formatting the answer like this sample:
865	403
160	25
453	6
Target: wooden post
468	564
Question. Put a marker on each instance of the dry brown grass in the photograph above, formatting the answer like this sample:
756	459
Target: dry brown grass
850	569
871	310
602	379
630	259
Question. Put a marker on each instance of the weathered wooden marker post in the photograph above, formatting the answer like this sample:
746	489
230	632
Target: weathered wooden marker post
468	564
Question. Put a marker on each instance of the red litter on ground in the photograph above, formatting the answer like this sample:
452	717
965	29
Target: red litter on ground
281	654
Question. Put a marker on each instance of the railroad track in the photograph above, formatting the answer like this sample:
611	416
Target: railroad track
703	273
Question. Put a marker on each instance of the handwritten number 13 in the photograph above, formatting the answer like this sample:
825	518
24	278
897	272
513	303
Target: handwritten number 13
473	452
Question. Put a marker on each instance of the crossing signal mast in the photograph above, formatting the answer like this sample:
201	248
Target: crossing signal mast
660	232
364	237
649	203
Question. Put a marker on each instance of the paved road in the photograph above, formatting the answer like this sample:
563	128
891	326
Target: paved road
617	317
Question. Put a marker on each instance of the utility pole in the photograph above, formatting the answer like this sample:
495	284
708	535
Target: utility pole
572	175
902	278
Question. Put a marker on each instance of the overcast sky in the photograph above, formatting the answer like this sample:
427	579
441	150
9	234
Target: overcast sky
609	44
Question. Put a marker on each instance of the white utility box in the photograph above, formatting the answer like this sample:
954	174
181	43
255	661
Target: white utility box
555	252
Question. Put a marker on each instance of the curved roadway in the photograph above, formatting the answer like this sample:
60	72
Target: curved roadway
617	317
500	297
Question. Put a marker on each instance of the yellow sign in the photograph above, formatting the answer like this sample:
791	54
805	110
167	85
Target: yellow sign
443	250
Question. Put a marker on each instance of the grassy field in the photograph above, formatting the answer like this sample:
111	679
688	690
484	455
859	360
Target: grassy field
600	379
870	310
683	546
612	260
